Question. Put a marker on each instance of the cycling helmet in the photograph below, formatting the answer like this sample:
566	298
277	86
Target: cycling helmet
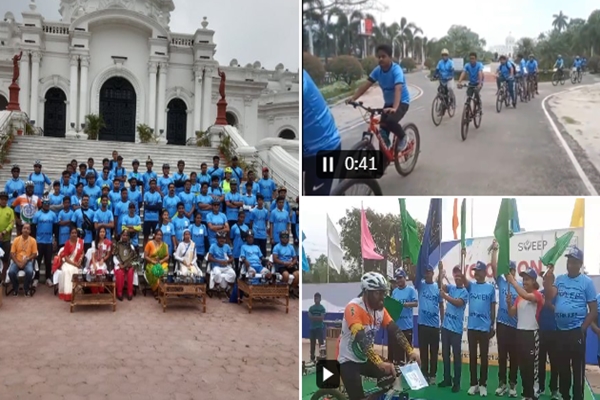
283	234
29	183
399	273
221	234
577	57
15	167
445	52
559	56
373	281
37	162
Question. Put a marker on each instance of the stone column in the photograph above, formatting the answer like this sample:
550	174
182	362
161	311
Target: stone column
24	83
73	91
35	82
152	69
206	99
162	92
197	99
83	100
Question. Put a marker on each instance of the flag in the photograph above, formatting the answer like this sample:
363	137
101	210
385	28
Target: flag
305	265
432	238
455	219
393	307
502	233
393	245
335	256
463	223
578	216
515	226
367	244
560	245
410	235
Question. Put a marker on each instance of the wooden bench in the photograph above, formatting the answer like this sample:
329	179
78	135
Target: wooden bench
192	292
265	293
80	298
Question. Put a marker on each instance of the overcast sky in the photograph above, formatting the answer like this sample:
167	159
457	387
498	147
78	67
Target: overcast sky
491	20
258	30
535	214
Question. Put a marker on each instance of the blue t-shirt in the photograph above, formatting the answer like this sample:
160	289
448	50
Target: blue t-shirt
180	224
179	177
115	198
503	287
146	177
152	199
188	200
407	294
252	253
445	69
67	190
203	178
218	219
598	322
198	235
216	171
249	201
454	316
55	200
170	204
44	222
572	299
560	63
101	182
204	199
286	205
15	185
163	184
137	175
118	172
481	298
39	181
168	231
77	219
547	320
104	217
267	186
219	253
319	130
387	82
472	72
284	253
522	68
64	231
120	210
429	304
259	218
232	212
135	196
532	66
279	220
94	192
236	237
133	221
505	69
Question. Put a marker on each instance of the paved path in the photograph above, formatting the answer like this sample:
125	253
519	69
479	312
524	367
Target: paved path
515	152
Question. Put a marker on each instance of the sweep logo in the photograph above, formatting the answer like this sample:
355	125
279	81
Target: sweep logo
537	245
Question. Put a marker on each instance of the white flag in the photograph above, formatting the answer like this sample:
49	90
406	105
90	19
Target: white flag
334	247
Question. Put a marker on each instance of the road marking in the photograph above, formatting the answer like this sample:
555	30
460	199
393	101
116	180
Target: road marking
584	178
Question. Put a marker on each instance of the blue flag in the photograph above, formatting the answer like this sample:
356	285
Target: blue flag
515	226
432	239
305	265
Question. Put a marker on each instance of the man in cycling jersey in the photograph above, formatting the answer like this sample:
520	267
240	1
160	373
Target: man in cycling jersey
474	70
363	317
445	72
532	69
505	73
559	65
319	133
577	64
396	97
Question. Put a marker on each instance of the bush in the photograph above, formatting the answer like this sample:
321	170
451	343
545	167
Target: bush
345	68
314	67
369	64
408	63
594	64
429	63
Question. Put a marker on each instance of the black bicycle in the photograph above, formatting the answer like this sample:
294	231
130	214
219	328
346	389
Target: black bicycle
558	76
443	101
531	86
576	76
471	111
503	97
521	89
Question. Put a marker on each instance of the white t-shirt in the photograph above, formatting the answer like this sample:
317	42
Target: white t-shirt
528	312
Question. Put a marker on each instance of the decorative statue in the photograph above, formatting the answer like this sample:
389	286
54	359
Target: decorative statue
16	60
222	84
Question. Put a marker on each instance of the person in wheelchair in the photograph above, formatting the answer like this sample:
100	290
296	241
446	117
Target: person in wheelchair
251	259
124	256
285	259
186	257
220	261
22	254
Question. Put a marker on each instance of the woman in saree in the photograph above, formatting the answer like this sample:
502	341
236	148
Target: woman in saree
156	252
97	257
186	256
69	261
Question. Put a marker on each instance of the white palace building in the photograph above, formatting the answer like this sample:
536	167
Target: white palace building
119	58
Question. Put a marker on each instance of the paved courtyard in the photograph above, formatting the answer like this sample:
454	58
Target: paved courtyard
139	352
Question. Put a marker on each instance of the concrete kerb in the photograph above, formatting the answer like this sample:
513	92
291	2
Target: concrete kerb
586	170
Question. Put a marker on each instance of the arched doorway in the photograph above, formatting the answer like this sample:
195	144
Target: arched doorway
55	113
118	108
177	122
287	134
3	103
231	118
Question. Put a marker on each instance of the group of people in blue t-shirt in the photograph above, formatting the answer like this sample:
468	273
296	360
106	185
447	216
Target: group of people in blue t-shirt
531	325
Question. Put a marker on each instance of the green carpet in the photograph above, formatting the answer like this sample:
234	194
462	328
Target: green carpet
309	386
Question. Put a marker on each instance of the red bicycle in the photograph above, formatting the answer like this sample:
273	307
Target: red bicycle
404	156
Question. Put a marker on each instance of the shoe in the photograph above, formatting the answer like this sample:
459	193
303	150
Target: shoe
455	389
403	144
512	392
49	283
120	298
502	389
129	298
555	395
483	391
28	294
15	293
431	381
473	390
444	384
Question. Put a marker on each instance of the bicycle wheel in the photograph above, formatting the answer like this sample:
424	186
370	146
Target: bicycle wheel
405	167
436	111
328	394
452	105
357	187
562	78
555	79
477	115
465	121
579	77
573	78
499	100
506	98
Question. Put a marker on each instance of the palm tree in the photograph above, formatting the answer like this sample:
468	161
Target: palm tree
560	21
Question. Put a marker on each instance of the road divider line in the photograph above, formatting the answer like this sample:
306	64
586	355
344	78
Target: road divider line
582	175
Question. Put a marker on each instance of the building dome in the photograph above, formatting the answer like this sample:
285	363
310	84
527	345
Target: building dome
510	40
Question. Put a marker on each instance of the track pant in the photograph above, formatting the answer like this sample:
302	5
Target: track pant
507	351
548	350
395	352
571	360
482	340
429	346
45	253
528	343
451	341
315	335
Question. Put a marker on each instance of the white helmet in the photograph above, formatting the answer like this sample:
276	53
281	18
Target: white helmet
445	52
372	281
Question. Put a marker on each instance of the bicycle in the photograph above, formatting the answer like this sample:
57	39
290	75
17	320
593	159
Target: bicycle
558	76
520	89
443	101
470	113
503	96
575	76
531	86
390	388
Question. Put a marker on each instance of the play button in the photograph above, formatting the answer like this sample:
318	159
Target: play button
328	374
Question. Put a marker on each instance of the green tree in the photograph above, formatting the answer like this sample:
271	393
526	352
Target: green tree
560	21
345	68
319	270
314	67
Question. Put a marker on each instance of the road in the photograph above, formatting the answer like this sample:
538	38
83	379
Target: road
516	152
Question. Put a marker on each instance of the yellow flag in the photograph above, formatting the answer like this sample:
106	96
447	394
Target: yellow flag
393	245
578	216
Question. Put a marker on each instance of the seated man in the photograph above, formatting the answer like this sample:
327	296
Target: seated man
251	258
22	254
220	261
124	257
285	259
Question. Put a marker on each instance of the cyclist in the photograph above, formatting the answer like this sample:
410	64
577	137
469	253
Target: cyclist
396	97
522	71
532	70
583	64
505	73
559	65
319	133
363	317
577	64
445	72
474	69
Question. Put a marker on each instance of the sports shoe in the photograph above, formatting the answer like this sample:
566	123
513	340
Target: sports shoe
483	391
555	395
502	389
432	381
444	384
15	293
455	389
28	294
473	390
403	144
512	392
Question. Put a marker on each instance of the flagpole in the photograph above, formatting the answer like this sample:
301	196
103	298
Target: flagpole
327	232
472	207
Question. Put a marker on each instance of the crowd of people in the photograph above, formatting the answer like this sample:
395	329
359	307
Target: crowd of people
115	220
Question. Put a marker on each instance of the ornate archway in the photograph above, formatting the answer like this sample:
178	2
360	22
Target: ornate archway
231	119
118	103
287	134
55	113
177	122
3	103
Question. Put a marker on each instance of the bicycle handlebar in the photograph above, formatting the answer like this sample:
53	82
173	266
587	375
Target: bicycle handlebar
373	111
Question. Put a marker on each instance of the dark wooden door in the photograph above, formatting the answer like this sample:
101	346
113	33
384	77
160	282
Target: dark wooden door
3	103
176	122
118	108
55	113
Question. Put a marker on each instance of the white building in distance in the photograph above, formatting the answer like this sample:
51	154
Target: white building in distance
119	58
508	48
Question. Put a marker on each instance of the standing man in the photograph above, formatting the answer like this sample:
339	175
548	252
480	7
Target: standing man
575	310
7	223
316	314
407	295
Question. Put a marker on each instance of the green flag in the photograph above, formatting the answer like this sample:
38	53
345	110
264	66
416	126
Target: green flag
393	307
502	234
410	235
560	245
463	222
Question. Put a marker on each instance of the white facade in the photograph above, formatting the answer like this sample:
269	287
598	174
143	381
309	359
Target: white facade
99	40
508	48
